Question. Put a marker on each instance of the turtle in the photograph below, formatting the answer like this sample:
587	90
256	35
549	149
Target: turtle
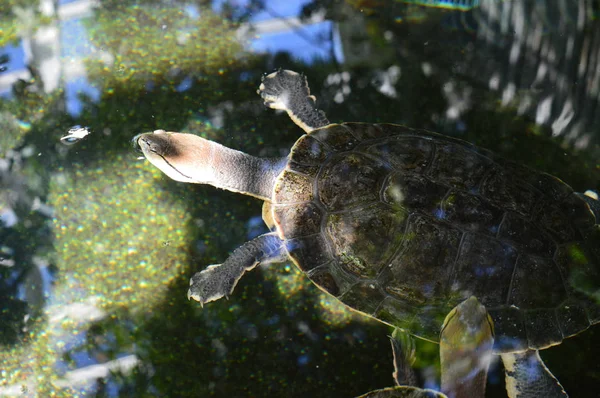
403	224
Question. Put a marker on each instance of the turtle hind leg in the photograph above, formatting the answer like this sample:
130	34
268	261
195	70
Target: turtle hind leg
219	280
528	377
288	91
403	350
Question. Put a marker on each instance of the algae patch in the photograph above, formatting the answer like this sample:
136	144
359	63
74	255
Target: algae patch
119	234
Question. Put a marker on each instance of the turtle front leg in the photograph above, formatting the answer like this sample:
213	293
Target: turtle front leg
288	91
219	280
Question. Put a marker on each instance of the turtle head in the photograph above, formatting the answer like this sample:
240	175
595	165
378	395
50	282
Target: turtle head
183	157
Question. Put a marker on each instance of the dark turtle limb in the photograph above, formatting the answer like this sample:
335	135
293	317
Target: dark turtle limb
219	280
288	91
403	349
528	377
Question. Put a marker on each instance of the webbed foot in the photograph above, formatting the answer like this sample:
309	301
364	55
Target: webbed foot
213	283
288	91
278	88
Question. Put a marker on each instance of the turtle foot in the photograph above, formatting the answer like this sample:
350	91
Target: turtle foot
288	91
212	283
278	88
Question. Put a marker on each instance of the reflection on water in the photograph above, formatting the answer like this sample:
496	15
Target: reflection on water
93	296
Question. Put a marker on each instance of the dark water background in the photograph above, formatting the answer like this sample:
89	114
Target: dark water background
97	247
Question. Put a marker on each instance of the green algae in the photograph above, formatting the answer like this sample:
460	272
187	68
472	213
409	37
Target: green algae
119	234
142	41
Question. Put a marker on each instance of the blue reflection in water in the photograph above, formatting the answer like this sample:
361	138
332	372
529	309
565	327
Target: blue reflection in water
439	214
255	227
185	85
303	360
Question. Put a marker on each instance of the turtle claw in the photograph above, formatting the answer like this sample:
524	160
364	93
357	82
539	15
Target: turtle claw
191	295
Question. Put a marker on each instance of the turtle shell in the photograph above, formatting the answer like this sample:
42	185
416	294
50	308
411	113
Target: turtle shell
403	224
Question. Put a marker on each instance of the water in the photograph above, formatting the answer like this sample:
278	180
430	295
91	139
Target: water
97	246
